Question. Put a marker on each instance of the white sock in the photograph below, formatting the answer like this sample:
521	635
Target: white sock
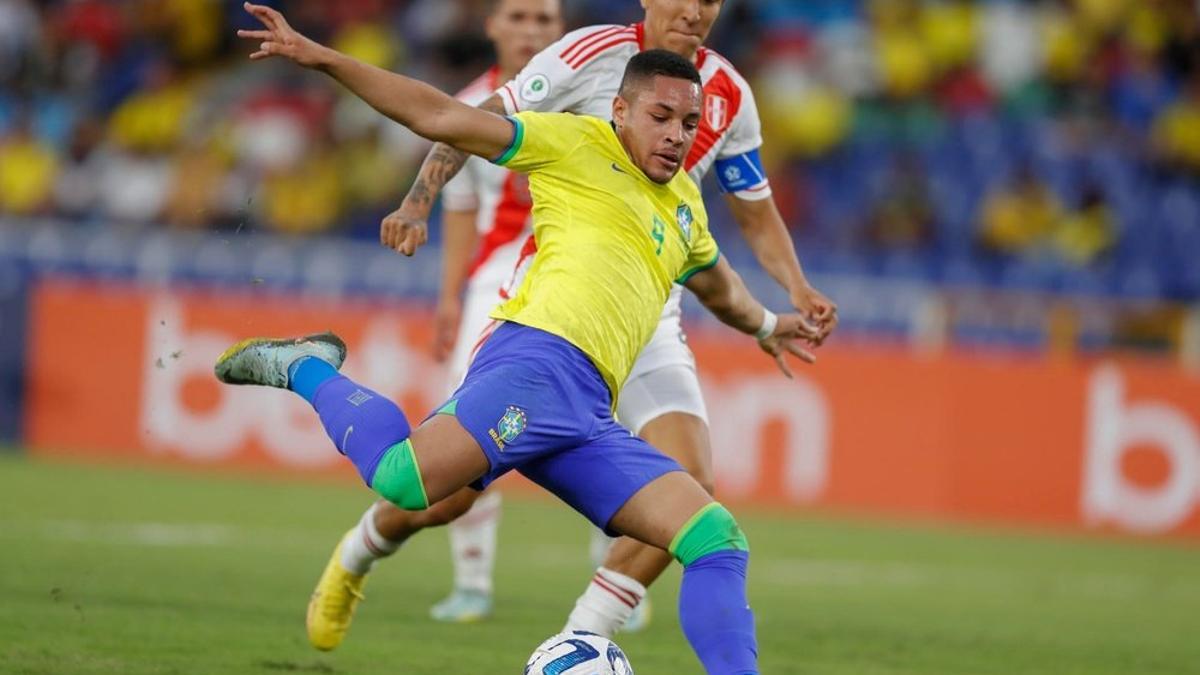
363	545
607	603
473	544
599	546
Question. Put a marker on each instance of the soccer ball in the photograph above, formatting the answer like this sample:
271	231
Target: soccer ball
578	653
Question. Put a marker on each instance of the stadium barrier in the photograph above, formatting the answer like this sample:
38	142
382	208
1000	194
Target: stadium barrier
121	371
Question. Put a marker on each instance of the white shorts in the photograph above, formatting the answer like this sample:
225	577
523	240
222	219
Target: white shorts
672	388
477	304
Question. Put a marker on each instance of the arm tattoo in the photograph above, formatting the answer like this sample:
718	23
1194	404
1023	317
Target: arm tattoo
442	164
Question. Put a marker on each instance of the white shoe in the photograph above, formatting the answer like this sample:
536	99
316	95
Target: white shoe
265	361
463	606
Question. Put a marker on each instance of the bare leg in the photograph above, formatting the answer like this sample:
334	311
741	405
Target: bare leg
684	438
397	525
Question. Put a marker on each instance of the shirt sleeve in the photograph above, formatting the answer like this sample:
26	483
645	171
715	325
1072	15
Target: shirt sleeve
549	83
461	193
739	168
541	139
704	253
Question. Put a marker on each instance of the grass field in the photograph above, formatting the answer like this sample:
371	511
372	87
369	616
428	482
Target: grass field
135	571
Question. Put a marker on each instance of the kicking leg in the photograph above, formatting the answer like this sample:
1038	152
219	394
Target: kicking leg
409	468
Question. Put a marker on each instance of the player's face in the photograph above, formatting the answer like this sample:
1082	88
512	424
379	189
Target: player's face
681	26
659	125
522	28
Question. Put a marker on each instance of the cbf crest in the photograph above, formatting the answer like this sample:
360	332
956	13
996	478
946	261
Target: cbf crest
683	215
511	424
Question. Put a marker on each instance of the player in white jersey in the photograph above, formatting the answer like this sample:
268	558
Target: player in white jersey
486	224
661	399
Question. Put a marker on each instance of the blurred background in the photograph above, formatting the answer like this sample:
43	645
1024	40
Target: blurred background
1002	196
975	183
1021	174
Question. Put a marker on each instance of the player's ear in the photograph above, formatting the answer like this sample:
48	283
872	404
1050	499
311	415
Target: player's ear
620	107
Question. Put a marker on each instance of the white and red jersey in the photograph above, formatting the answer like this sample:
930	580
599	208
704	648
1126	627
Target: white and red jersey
582	72
500	199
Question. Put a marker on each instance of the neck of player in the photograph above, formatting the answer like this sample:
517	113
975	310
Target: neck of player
652	41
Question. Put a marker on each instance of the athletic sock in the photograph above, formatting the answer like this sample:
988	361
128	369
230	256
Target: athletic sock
606	604
363	544
715	615
473	544
306	374
361	423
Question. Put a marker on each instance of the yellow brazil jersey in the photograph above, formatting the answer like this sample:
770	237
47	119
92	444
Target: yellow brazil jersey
610	241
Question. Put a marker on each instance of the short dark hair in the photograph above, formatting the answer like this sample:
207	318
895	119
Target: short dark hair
651	62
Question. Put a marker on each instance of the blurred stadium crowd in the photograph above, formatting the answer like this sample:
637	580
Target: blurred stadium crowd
1030	145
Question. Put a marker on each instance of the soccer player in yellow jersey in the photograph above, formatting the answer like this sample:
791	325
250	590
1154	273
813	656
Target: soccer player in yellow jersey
617	224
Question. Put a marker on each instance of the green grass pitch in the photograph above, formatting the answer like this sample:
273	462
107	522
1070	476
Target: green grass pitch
108	570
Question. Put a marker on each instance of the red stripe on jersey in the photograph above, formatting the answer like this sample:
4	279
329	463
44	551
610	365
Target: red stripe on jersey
512	212
622	39
587	40
722	100
640	29
527	251
483	336
487	82
506	90
616	593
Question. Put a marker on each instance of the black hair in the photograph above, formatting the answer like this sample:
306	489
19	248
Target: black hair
653	62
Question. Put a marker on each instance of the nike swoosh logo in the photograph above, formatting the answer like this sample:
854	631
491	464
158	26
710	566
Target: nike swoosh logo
618	168
346	437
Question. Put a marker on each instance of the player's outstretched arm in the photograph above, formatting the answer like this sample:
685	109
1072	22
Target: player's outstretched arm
423	109
721	290
407	227
764	229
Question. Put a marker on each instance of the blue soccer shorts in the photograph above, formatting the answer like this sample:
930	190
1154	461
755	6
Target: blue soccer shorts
536	403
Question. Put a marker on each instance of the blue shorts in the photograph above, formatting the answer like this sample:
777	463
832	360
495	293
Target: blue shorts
535	403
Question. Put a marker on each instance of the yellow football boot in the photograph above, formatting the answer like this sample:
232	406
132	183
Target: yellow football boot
331	608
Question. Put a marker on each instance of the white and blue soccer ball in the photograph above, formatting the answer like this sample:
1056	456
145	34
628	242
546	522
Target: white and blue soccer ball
578	653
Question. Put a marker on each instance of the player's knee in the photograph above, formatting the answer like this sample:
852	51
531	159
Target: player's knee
398	479
705	479
712	529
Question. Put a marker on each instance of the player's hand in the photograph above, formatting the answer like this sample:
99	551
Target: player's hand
446	320
792	334
280	39
818	308
403	231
